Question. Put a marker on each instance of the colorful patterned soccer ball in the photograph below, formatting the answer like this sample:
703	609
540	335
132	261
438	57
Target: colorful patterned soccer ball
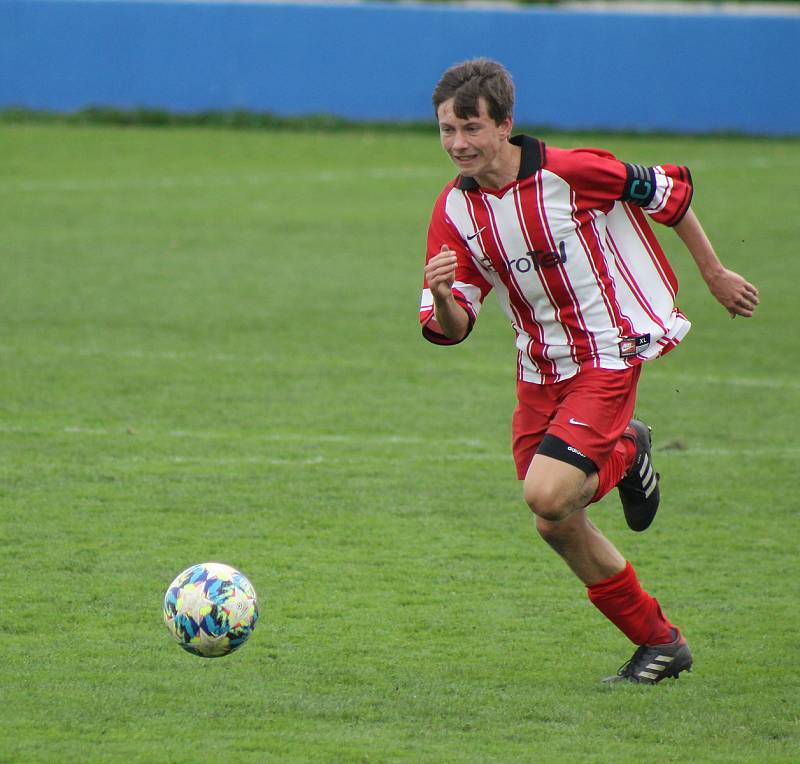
211	609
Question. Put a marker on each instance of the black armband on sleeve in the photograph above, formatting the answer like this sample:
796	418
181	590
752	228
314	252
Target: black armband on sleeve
640	185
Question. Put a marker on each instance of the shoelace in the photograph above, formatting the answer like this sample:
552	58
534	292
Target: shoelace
626	669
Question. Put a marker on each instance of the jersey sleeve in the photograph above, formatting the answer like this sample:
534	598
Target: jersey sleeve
470	287
599	179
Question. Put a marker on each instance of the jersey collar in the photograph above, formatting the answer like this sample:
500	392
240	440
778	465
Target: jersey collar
531	162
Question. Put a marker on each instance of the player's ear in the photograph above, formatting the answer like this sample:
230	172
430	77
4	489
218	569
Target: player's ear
505	128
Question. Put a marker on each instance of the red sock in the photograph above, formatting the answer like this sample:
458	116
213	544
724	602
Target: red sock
617	465
632	610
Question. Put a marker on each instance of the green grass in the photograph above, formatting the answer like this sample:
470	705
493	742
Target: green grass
209	351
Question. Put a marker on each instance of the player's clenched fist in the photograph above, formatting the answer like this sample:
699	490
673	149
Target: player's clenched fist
440	272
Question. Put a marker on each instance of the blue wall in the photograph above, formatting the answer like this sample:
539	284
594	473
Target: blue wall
573	70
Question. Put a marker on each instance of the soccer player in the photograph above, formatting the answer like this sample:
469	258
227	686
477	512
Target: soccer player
562	238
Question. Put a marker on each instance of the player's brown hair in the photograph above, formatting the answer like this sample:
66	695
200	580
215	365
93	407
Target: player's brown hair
470	80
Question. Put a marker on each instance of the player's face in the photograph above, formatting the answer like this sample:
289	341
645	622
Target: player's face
474	144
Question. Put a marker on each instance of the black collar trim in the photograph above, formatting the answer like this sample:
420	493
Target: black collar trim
532	160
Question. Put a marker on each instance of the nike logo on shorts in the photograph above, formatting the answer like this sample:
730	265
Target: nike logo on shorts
572	420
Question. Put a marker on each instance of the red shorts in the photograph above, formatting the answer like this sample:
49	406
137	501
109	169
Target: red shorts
589	411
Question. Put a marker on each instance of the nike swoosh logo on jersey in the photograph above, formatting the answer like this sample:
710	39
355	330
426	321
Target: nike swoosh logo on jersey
572	420
472	236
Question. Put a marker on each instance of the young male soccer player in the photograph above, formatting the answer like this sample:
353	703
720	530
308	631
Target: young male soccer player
562	238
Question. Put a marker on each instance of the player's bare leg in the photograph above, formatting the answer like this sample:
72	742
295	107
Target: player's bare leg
558	493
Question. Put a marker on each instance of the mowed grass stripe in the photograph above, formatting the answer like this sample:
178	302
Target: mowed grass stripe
654	373
323	440
17	185
203	181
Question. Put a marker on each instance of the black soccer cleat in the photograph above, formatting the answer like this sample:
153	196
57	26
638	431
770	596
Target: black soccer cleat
638	489
652	663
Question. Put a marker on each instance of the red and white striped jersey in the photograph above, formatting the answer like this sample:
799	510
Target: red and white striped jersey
571	257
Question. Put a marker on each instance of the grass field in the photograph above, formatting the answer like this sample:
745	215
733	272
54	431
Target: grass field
209	351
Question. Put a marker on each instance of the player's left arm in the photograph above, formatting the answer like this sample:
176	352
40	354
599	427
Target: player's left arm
737	295
664	192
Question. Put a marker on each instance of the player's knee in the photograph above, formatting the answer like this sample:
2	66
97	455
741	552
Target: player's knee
547	502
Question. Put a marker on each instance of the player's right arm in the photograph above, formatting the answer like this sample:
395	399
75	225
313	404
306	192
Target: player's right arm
453	289
440	274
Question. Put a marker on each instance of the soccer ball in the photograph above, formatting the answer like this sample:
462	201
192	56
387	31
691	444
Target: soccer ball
211	609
